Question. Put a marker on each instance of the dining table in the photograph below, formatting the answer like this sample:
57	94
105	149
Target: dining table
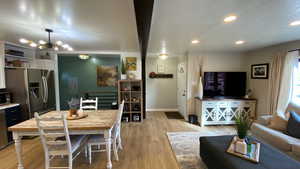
97	122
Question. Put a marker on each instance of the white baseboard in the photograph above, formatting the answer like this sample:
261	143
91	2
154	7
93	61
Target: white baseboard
162	110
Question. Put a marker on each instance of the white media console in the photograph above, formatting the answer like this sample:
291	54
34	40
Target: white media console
223	111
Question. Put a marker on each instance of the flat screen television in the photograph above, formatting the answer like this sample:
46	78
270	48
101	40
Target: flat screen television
224	84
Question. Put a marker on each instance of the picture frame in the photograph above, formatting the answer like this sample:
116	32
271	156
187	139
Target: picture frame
131	63
260	71
107	76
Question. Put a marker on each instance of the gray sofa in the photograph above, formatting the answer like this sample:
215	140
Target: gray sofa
278	139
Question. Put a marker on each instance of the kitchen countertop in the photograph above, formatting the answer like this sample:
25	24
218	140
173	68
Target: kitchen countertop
6	106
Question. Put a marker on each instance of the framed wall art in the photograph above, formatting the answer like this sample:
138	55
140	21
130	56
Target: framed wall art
260	71
131	63
107	76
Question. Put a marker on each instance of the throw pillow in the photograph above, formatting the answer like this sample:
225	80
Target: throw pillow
293	127
278	123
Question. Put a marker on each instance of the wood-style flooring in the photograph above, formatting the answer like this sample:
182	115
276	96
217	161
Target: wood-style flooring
145	147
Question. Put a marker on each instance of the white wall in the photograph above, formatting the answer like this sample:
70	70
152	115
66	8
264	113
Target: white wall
260	86
161	94
213	62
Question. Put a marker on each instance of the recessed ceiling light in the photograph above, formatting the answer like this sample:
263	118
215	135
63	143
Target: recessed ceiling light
32	44
65	46
163	56
84	57
295	23
195	41
230	18
70	49
22	40
42	42
56	48
239	42
59	43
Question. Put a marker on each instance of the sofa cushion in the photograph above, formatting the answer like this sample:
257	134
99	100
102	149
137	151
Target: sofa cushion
293	127
296	149
273	137
292	107
278	123
264	119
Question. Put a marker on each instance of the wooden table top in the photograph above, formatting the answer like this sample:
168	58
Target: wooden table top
96	120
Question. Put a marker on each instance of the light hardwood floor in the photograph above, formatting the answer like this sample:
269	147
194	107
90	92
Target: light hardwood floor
145	147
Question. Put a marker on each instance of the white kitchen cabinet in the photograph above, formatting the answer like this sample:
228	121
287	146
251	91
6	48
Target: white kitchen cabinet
2	65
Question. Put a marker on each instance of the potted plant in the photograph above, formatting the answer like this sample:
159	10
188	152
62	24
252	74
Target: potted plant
73	105
243	124
123	70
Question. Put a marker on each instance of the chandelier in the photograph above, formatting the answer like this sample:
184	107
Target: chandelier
58	45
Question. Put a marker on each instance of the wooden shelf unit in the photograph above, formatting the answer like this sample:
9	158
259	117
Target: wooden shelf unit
131	92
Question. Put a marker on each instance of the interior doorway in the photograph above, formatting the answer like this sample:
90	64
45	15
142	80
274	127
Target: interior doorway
182	86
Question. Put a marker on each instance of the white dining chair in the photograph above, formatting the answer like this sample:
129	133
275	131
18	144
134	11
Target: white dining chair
99	140
56	141
89	104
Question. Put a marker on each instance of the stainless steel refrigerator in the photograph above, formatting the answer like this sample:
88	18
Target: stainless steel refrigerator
34	89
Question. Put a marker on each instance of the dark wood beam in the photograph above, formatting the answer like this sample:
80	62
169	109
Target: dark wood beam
143	14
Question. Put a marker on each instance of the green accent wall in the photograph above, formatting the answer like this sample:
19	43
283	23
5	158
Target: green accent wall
78	76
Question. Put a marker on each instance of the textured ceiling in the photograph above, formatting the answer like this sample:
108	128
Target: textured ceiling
84	24
260	23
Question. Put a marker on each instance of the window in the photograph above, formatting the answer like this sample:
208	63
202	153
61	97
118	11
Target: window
296	91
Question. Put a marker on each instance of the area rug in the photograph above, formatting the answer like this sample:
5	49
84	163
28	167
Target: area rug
185	146
173	115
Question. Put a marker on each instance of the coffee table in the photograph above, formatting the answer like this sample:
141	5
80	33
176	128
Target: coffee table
214	155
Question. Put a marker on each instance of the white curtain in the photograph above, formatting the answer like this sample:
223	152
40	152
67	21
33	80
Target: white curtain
287	81
274	81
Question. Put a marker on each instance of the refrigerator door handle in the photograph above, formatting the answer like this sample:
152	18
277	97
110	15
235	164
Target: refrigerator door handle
44	89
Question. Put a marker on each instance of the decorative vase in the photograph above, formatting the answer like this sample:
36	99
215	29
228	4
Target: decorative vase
240	139
123	76
248	94
131	75
200	88
72	112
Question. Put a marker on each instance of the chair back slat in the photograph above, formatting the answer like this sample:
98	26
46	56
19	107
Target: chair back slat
89	104
54	134
117	126
88	108
89	101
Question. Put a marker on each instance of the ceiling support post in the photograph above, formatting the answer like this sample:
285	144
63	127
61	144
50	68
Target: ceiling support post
143	14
